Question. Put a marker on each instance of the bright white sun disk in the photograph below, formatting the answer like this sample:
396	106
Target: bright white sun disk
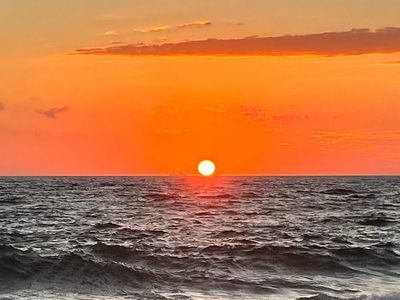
206	168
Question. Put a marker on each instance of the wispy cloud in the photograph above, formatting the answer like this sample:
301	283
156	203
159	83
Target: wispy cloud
2	107
258	114
159	28
384	144
359	137
110	33
353	42
110	17
117	42
195	24
247	113
216	108
286	119
170	131
284	144
255	113
53	113
156	28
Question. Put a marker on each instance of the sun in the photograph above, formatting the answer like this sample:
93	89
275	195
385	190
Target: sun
206	168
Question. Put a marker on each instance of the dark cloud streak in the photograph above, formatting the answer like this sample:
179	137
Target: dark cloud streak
52	113
353	42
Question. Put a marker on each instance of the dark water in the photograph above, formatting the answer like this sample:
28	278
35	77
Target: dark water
200	238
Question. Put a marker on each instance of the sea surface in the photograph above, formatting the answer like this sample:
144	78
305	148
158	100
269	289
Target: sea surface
199	238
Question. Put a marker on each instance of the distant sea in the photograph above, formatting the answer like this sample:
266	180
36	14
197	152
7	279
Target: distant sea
199	238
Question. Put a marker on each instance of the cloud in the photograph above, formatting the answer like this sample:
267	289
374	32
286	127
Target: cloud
110	17
265	119
353	42
382	143
254	113
195	24
216	108
235	23
283	144
2	107
288	118
159	28
170	131
163	110
361	137
110	33
117	42
52	113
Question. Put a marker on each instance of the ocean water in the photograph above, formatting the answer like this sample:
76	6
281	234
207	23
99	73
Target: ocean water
200	238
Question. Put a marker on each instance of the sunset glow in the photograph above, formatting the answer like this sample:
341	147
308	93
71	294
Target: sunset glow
119	88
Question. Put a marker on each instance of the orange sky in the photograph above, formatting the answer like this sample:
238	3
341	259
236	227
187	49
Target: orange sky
252	113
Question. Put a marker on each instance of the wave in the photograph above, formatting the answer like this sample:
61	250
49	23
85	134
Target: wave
162	196
12	199
352	194
156	259
378	256
363	196
390	296
227	234
320	297
306	259
339	192
106	184
217	196
377	221
281	256
387	245
116	266
250	195
72	271
126	233
17	264
107	225
113	251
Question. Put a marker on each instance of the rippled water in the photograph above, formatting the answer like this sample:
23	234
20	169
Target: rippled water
199	238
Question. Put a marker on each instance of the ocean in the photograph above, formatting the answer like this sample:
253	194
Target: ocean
199	238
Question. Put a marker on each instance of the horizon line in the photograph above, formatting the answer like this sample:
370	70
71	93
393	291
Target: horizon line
214	176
